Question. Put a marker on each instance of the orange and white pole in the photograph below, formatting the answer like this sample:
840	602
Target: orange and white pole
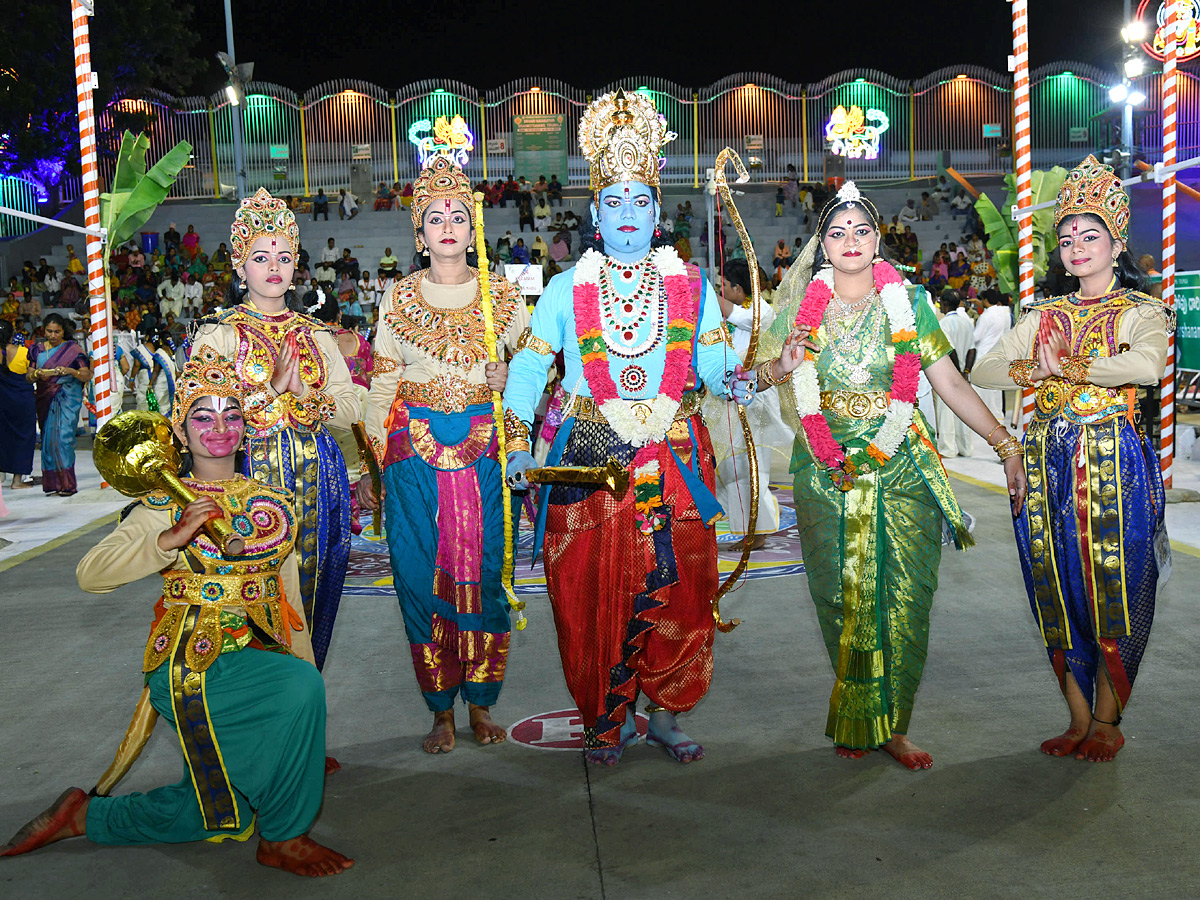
99	331
1166	452
1023	160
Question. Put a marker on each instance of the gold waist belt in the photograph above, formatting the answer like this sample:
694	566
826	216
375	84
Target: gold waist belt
227	590
447	395
587	409
854	405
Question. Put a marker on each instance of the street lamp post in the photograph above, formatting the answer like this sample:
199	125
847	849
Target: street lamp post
235	92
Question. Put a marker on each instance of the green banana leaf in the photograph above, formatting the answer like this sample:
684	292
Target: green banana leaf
1002	231
137	192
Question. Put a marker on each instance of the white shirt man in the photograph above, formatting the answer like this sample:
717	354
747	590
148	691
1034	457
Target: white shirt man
329	256
993	323
193	295
909	213
366	288
380	288
170	297
954	437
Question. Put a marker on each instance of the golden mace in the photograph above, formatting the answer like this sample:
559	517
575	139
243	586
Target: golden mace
612	476
135	454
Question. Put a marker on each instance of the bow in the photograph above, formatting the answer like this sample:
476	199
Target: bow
489	326
752	458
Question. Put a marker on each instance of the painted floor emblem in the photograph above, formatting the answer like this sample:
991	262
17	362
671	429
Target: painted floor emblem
561	729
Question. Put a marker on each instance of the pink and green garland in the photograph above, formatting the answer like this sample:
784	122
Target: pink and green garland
870	452
642	423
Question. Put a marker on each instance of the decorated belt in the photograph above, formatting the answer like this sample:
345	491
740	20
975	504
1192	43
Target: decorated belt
186	588
449	394
1082	404
855	405
587	409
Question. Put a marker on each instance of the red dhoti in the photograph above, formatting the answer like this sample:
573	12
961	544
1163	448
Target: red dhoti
634	611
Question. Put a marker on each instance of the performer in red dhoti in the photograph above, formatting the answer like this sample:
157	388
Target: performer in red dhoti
631	579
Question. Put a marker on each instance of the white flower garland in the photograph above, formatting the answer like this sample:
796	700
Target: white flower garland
807	388
637	422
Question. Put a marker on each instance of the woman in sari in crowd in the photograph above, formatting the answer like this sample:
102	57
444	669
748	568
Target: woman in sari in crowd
61	370
959	271
18	413
939	273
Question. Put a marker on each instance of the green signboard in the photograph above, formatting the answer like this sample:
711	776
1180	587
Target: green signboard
540	146
1187	308
279	151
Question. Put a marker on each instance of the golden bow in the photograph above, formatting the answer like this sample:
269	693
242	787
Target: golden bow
755	295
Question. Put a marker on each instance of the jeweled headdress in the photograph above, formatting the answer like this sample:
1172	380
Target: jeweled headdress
1092	187
440	180
846	197
622	136
206	374
259	215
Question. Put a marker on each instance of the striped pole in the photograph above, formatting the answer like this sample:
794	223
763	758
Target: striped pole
99	330
1023	160
1166	452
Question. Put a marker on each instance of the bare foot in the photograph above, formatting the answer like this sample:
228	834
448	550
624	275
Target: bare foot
1065	743
19	485
441	738
302	856
664	731
907	753
610	756
66	818
1102	743
850	752
332	765
486	731
757	543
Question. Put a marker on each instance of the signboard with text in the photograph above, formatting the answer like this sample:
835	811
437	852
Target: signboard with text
1187	308
540	146
527	277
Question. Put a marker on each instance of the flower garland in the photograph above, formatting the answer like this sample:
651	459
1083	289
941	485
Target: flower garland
642	423
869	452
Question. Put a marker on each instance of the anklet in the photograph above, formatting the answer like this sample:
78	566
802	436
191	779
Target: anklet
1102	722
651	708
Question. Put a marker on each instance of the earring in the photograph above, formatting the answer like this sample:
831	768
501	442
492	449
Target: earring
597	236
1116	261
657	232
241	287
424	251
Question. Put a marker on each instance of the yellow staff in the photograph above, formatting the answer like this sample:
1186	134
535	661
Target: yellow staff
489	326
751	457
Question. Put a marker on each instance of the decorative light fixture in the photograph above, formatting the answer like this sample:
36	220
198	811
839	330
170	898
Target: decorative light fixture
232	94
855	134
450	137
1117	93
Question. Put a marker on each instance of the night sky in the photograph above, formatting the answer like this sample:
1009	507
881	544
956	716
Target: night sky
486	43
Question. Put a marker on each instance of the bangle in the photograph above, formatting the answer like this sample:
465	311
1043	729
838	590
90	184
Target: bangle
988	439
1076	369
1008	448
1021	371
766	374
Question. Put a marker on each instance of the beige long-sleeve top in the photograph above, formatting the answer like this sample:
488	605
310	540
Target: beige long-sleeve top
131	552
253	341
1142	328
434	334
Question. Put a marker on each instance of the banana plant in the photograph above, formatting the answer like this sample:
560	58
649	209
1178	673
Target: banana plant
1002	230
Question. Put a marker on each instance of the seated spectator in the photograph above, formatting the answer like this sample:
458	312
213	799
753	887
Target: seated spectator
540	188
365	287
347	204
347	263
541	214
388	263
510	191
959	271
29	306
406	195
137	259
520	253
504	247
484	189
191	242
170	296
555	191
221	256
560	247
198	268
74	266
193	294
383	197
942	191
320	205
538	251
51	285
380	288
783	259
909	213
570	220
525	213
327	270
960	204
939	273
552	269
929	207
495	193
171	238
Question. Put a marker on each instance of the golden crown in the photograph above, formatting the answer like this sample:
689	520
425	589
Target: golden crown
1092	187
259	215
622	136
206	374
441	179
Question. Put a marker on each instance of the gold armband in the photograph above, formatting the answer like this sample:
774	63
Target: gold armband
1021	370
765	369
1077	369
715	336
516	432
534	343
